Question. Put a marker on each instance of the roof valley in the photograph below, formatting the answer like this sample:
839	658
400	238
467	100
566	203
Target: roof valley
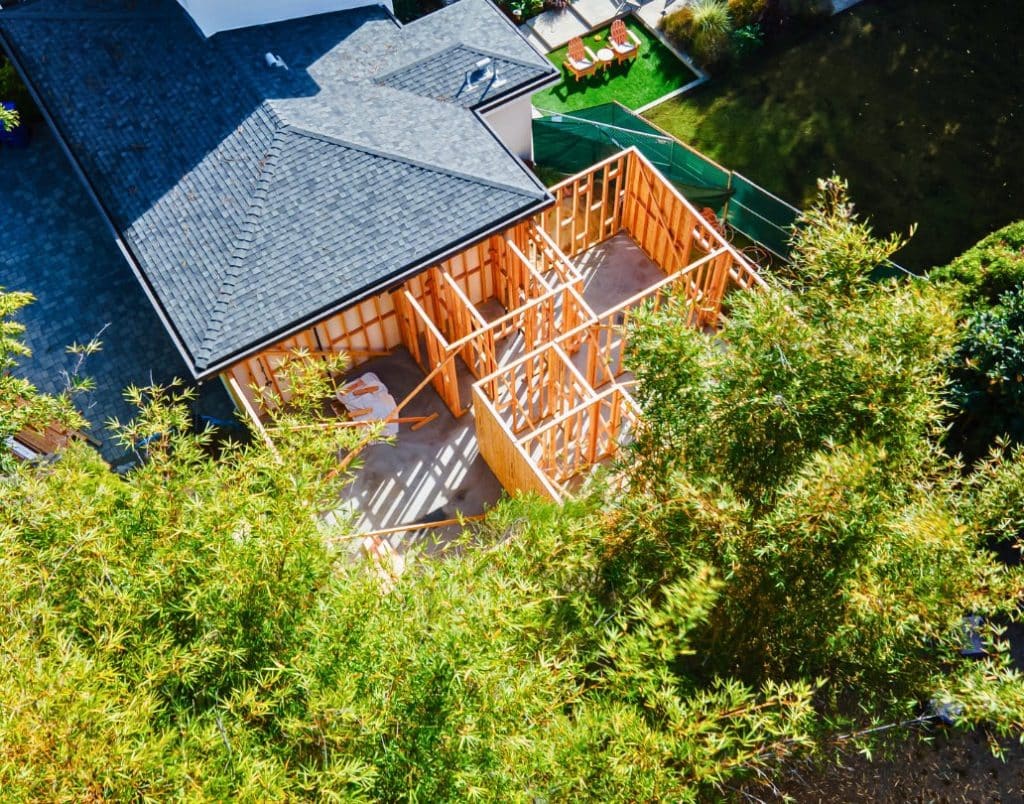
243	244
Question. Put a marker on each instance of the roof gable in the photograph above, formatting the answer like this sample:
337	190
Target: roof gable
445	76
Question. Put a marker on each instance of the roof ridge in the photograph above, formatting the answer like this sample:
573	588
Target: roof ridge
401	68
457	174
243	243
454	46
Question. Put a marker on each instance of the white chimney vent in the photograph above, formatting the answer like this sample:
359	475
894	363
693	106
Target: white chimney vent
483	70
274	61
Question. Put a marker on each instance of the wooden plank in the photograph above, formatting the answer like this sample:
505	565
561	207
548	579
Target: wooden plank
422	526
242	401
513	467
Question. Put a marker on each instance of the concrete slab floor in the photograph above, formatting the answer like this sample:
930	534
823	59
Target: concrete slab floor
614	271
653	12
433	473
437	472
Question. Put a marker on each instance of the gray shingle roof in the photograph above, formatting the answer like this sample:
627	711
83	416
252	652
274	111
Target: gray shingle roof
443	76
253	198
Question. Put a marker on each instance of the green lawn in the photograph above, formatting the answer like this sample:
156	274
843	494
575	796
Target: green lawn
651	75
920	104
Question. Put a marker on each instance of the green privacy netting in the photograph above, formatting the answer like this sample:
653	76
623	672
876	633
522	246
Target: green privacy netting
761	216
570	143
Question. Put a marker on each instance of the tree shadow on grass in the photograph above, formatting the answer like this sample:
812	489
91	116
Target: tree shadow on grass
916	104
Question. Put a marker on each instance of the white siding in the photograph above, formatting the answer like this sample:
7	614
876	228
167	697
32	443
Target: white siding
512	122
223	15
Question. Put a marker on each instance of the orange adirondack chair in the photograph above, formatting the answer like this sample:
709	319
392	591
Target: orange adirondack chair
579	59
625	44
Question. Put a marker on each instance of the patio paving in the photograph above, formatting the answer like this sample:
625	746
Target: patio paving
651	13
552	29
54	244
596	13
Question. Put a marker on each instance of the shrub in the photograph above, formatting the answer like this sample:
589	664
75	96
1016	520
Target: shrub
703	28
746	41
807	9
986	389
11	89
747	12
987	378
523	9
679	25
988	270
712	26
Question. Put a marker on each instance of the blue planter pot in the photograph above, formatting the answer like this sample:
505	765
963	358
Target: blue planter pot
17	137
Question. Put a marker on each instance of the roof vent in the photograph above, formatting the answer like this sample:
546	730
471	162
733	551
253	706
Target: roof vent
483	70
274	61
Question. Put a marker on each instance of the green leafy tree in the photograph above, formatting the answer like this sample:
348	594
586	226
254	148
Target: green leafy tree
200	629
985	272
796	453
21	405
986	370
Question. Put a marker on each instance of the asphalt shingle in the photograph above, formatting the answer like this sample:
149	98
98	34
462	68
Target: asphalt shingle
445	76
255	198
54	245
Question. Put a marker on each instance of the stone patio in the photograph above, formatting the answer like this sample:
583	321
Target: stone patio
54	244
552	29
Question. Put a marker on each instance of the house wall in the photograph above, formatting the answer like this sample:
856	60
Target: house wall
371	328
513	123
224	15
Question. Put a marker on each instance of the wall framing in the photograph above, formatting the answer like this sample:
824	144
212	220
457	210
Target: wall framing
545	418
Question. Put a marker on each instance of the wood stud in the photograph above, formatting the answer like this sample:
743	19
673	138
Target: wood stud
541	422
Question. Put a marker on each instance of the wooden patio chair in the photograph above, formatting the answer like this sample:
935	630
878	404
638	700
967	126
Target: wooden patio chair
580	59
625	44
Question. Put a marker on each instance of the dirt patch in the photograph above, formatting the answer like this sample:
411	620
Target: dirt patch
953	767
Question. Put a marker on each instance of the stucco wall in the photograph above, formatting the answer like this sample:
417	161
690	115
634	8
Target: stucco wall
512	123
223	15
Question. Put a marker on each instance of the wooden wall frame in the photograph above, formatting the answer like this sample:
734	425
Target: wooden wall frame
541	421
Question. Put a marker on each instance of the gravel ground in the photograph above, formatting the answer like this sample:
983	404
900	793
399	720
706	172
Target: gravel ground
954	767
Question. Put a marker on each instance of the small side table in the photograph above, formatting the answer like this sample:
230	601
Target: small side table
605	55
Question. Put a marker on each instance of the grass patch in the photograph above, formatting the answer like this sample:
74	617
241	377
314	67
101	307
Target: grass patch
919	104
652	74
